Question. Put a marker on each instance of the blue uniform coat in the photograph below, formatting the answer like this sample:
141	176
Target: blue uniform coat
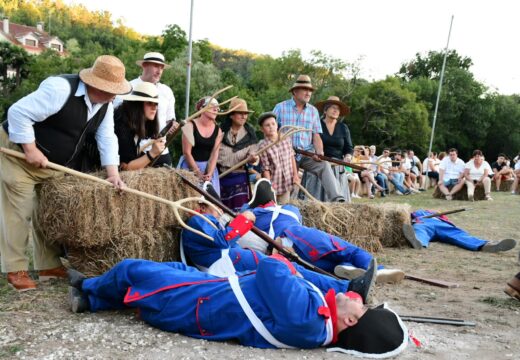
178	298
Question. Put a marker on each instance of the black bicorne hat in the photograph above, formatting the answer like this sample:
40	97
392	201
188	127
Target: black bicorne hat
263	193
208	187
379	333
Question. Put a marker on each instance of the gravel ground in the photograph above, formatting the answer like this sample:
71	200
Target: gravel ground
39	325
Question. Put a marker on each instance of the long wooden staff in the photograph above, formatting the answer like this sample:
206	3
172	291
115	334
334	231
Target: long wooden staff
257	231
176	205
191	117
281	137
329	159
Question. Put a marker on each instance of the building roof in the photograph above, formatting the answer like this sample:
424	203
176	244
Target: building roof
17	31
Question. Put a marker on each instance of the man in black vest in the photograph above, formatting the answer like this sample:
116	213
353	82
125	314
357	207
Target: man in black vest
55	123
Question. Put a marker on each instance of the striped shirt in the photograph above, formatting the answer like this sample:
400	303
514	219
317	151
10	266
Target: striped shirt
287	114
278	161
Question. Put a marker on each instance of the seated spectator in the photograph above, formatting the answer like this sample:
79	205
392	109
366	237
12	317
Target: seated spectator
501	171
393	173
201	139
367	176
416	169
514	188
476	173
336	144
239	143
379	176
451	174
353	179
278	162
136	120
409	177
431	169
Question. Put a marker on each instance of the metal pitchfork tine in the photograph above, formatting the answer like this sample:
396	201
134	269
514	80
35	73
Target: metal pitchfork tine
177	205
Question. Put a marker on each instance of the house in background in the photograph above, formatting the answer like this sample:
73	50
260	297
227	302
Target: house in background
33	39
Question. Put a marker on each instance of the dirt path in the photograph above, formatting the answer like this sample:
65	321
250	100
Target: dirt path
38	325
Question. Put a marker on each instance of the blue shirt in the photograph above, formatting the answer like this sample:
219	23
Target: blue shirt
50	98
287	114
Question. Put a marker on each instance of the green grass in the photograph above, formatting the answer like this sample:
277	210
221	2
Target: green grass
509	303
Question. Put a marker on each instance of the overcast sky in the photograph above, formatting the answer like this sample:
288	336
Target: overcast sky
384	33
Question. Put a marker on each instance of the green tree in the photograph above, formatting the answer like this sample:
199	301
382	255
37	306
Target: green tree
386	114
12	59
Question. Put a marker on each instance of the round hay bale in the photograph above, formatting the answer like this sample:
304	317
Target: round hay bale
370	227
81	213
462	194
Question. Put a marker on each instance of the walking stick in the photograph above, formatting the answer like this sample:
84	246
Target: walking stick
281	137
329	159
191	117
258	232
175	205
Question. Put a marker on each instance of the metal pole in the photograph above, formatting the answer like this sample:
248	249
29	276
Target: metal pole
188	68
439	90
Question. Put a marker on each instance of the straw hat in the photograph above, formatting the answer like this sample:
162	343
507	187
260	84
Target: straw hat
153	57
242	106
304	82
144	91
107	74
344	110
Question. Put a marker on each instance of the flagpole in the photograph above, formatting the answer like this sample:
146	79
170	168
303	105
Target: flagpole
439	90
188	68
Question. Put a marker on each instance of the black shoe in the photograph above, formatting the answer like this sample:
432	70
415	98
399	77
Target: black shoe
262	193
78	301
383	194
76	278
503	245
409	234
363	284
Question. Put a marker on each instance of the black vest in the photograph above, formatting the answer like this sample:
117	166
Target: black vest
67	138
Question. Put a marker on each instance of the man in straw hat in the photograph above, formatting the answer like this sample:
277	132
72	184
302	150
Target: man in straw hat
153	65
298	112
278	306
54	124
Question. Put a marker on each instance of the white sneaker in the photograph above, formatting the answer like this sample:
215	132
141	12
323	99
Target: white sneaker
385	276
397	192
470	197
348	272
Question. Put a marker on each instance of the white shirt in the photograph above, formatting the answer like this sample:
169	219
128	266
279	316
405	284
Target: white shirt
476	173
452	170
425	165
46	101
165	110
386	163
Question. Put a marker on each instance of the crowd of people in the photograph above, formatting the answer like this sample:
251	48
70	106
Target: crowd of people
99	119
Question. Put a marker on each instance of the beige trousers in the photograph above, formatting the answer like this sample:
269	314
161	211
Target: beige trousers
486	182
18	202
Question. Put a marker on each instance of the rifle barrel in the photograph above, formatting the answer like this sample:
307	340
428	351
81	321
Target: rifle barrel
329	159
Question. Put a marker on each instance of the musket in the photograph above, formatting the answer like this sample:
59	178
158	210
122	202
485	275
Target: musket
329	159
193	116
436	320
289	255
444	213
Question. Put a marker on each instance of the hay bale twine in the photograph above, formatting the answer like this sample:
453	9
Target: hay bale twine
79	213
368	226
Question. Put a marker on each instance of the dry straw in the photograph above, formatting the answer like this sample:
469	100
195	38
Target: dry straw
370	227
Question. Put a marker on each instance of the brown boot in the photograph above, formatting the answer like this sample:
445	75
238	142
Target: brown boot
59	272
21	281
513	287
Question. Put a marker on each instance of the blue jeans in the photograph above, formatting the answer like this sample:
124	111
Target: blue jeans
450	182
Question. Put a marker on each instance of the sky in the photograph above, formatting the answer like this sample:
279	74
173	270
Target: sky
382	33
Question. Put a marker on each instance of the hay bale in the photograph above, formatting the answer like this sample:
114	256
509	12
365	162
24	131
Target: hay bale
368	226
505	185
159	245
84	214
462	194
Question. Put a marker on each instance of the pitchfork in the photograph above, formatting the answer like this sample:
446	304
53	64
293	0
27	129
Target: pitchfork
281	136
175	205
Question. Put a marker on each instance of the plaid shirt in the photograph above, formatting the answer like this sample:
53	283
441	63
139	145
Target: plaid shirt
287	114
278	161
